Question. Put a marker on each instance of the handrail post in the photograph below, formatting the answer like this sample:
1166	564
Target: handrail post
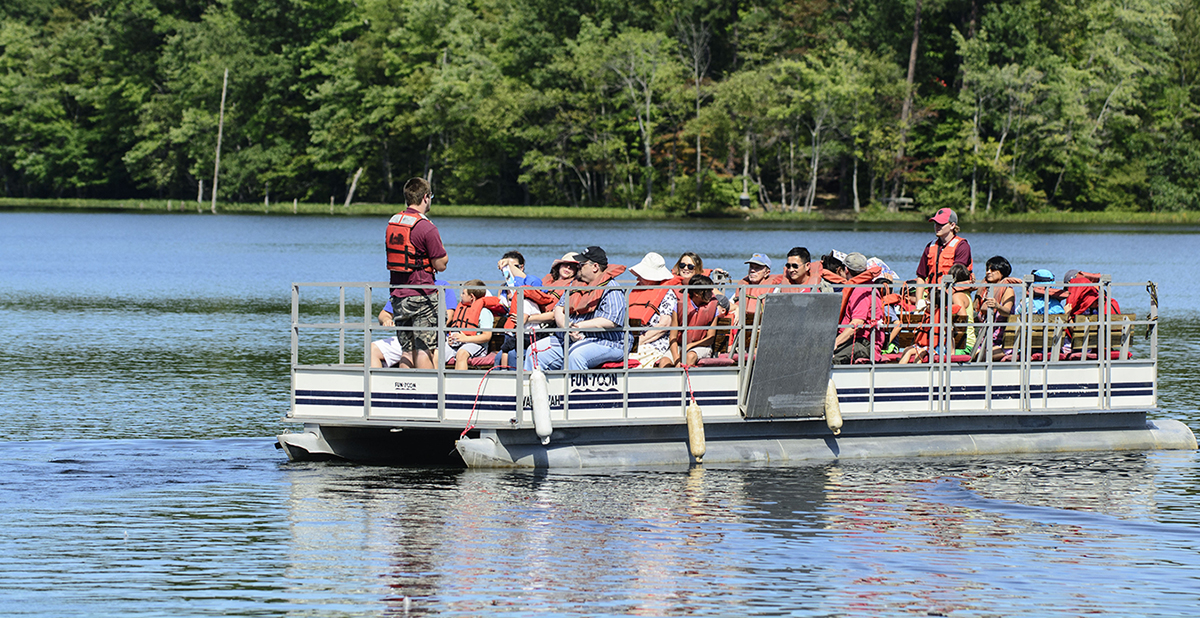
295	345
367	330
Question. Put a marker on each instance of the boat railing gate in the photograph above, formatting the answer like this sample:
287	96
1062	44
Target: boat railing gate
740	338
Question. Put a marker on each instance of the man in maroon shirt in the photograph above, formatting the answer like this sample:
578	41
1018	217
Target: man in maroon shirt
944	251
414	254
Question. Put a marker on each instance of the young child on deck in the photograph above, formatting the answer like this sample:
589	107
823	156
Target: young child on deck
472	322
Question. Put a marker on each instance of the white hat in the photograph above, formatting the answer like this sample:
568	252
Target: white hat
652	268
569	257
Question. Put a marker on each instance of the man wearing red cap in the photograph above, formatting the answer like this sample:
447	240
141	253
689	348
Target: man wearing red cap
945	251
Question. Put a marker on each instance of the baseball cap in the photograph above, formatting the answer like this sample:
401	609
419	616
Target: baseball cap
855	262
759	258
594	254
1043	275
944	216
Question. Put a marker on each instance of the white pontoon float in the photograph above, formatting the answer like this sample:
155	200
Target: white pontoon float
779	403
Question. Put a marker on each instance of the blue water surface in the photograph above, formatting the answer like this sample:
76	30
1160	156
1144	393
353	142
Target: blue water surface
145	369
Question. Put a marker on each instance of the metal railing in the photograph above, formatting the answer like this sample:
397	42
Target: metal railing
741	337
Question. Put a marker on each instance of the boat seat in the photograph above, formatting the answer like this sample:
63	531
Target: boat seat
720	360
910	325
1046	336
633	364
721	343
1086	334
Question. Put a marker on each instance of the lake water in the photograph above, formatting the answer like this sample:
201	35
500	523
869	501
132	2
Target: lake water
144	373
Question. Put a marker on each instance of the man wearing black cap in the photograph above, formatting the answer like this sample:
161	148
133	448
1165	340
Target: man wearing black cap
594	318
944	251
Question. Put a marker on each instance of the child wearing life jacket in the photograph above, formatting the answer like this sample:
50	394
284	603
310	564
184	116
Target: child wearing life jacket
696	342
470	324
930	337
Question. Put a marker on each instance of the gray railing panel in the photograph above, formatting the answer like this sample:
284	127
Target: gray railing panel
790	373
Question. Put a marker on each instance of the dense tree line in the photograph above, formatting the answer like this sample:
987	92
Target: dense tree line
678	104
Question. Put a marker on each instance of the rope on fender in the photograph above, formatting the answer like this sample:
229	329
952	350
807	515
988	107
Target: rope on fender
471	416
691	394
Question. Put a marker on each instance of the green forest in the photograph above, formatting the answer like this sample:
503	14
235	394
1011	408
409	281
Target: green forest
681	105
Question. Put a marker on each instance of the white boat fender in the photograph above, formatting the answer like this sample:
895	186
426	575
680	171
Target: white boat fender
833	410
695	426
539	393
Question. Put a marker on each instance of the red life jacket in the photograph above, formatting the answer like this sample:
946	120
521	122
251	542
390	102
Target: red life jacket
938	262
1089	296
402	257
587	301
466	317
703	317
930	336
547	298
643	304
544	299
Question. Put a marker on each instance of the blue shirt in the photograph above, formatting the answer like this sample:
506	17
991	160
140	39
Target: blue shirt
612	307
1037	305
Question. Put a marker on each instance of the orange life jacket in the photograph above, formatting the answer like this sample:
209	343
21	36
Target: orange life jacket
938	262
643	304
786	287
752	294
402	257
466	317
587	301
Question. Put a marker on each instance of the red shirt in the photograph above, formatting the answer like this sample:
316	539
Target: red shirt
866	305
1083	298
426	241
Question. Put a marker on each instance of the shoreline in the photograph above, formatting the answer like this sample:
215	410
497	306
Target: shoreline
871	215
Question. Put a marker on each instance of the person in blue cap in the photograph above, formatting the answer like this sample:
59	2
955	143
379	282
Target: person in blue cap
758	275
1044	299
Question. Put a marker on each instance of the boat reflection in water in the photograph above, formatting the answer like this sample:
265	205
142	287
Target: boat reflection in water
996	535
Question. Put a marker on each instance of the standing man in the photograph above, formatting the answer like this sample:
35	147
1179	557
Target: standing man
414	254
945	251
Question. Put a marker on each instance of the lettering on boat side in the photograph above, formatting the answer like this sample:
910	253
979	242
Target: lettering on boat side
594	382
406	386
555	402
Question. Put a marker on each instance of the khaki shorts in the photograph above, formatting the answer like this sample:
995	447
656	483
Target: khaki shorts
419	312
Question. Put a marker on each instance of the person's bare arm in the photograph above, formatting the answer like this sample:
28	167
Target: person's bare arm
439	264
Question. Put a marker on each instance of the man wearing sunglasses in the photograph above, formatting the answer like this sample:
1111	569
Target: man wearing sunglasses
414	254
